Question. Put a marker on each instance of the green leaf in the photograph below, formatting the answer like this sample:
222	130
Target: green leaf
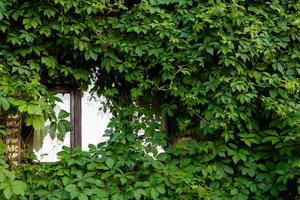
45	30
184	162
273	93
161	189
228	169
91	54
81	74
8	192
210	50
136	92
34	109
38	122
50	62
63	114
110	162
63	126
66	180
23	108
154	193
4	103
83	197
138	193
19	188
71	188
52	130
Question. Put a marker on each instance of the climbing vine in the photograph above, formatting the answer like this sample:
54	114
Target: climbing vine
221	76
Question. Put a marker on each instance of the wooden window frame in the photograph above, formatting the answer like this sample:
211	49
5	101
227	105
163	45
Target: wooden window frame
75	113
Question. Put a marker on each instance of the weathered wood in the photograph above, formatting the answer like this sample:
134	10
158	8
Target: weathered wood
76	113
13	140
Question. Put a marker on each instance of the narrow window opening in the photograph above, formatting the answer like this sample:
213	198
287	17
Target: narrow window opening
47	145
94	120
88	120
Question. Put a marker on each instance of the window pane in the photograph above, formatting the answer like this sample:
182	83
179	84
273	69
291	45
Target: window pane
50	147
94	120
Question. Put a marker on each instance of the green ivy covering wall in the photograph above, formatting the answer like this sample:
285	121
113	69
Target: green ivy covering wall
224	75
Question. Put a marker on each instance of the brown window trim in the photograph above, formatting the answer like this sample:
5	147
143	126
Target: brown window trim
75	113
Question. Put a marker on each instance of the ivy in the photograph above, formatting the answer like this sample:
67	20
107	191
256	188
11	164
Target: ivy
224	76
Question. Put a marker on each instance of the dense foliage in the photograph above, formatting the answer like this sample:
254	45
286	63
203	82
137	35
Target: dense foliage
224	75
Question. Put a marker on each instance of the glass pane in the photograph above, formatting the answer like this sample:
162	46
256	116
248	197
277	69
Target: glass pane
94	120
50	147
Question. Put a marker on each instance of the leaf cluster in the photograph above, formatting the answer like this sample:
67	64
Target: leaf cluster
223	74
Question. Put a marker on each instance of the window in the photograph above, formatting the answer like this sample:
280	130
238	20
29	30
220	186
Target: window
94	120
88	120
49	146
